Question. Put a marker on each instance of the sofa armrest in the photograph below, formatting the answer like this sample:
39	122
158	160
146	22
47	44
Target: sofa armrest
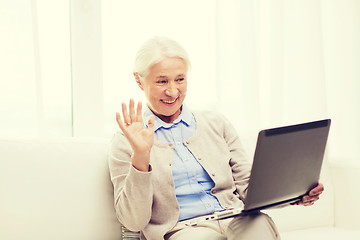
56	189
346	180
127	234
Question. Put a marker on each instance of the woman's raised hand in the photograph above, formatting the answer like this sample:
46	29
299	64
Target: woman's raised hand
141	139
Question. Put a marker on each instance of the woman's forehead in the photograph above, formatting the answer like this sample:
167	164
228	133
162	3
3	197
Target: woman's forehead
168	66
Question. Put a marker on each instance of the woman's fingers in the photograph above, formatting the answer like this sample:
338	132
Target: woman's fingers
317	190
138	112
126	116
151	123
307	199
119	122
132	111
134	115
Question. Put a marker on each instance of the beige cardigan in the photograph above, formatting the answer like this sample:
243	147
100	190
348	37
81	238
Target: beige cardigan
146	202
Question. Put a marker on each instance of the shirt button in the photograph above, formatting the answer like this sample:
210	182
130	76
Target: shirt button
213	191
193	178
213	174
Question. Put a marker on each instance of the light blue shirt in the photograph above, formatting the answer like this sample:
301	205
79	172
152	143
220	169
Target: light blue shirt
192	183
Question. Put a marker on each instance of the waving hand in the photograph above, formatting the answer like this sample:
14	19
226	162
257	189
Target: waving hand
141	139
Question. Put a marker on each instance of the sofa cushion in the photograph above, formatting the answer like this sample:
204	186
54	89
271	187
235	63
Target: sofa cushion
328	233
56	189
346	184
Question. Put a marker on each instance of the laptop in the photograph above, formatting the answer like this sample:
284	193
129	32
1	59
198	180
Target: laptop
286	166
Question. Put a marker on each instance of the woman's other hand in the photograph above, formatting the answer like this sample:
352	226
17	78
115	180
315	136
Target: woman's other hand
141	139
312	197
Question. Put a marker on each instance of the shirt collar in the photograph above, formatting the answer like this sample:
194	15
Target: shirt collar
185	116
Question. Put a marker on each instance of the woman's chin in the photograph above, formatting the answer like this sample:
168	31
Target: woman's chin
169	116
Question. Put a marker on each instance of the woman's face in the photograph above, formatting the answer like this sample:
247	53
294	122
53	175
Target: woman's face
165	88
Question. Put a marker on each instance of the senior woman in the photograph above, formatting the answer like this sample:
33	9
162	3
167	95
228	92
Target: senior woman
171	164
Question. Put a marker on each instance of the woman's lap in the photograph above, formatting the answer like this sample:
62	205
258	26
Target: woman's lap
247	227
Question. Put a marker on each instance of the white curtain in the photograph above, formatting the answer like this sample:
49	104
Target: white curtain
262	63
284	62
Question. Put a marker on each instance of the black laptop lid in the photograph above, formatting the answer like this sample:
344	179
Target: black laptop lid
287	163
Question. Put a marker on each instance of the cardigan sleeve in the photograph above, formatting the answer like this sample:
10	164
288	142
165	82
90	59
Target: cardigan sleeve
133	191
239	162
218	132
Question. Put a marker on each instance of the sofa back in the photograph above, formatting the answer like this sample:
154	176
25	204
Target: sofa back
56	189
60	189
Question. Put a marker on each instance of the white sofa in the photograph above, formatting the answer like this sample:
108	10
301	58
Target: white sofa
60	189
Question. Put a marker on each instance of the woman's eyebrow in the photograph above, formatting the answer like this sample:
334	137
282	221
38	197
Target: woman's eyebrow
161	77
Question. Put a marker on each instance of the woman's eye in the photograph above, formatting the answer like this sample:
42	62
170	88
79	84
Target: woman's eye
180	79
161	81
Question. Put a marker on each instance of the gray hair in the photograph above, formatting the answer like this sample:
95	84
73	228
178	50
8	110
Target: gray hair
154	51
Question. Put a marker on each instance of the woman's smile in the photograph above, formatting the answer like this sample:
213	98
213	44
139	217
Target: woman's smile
169	102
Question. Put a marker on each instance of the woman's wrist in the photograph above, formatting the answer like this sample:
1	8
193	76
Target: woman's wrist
141	161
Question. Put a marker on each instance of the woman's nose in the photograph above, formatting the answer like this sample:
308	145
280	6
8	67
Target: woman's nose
171	90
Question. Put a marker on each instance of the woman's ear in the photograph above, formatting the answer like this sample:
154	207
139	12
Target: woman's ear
138	80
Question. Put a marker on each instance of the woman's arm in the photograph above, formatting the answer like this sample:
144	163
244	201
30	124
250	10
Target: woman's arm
130	170
133	191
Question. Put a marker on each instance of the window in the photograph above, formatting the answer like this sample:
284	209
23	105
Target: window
35	88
